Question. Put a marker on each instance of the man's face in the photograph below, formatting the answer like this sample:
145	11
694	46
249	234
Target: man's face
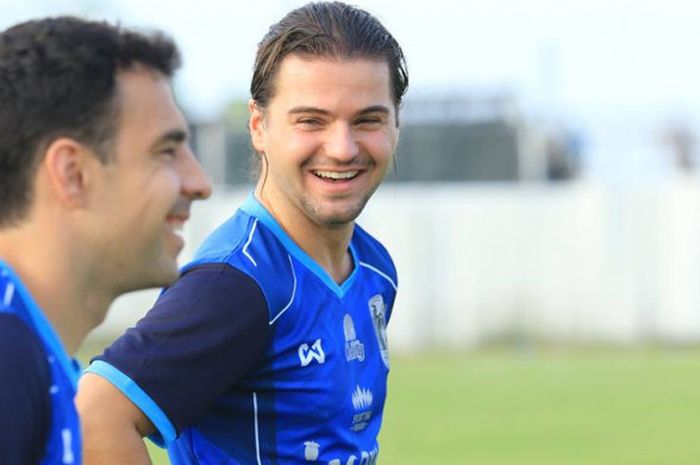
143	194
327	135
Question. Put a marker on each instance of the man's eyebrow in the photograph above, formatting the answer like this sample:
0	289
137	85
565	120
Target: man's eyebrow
297	110
370	109
375	109
174	135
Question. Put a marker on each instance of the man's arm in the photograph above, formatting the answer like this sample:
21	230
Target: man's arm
113	427
203	334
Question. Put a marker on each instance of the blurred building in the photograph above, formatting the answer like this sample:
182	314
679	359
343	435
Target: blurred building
480	138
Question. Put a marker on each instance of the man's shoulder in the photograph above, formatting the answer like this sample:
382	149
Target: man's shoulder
372	254
246	243
18	342
225	240
23	358
24	365
25	380
366	242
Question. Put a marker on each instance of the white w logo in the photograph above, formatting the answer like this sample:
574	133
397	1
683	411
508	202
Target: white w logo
315	352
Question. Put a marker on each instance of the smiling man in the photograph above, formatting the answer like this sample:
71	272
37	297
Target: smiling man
271	347
95	181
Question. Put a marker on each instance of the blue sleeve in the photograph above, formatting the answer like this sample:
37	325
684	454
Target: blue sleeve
203	334
25	414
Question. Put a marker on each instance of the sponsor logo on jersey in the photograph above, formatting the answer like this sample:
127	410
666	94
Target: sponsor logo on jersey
354	348
366	458
377	311
309	354
311	451
362	399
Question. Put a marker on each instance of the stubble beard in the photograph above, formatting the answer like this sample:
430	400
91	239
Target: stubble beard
337	217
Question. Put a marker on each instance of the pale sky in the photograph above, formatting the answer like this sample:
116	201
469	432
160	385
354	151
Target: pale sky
589	62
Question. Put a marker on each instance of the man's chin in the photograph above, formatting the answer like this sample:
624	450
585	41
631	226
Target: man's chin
341	218
170	275
164	276
336	216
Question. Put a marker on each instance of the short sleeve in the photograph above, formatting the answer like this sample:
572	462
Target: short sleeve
203	334
25	380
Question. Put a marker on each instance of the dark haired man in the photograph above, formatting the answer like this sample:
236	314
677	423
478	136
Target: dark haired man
95	181
271	348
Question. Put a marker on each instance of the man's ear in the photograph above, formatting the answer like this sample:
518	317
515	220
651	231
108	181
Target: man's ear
66	162
256	124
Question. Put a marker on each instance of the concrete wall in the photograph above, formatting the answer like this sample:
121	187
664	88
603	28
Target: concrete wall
514	262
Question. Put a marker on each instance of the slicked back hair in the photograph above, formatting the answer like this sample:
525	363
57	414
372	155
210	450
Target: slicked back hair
327	30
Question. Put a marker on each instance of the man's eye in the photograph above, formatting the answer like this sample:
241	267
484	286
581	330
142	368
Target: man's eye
369	121
309	122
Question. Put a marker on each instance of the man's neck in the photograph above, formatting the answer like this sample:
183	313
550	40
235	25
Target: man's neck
58	282
327	246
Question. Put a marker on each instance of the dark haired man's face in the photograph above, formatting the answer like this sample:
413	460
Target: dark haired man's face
146	190
328	135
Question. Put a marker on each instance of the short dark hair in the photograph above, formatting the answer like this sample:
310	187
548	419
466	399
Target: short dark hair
330	30
58	79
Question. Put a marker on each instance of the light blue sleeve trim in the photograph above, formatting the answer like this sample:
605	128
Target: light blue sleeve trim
139	397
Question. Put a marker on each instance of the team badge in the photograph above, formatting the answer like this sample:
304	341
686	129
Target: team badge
377	311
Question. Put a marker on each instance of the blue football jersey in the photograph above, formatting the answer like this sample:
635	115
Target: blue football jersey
317	391
61	444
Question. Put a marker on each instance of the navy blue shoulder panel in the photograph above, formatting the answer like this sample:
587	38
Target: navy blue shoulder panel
247	244
203	334
267	261
25	404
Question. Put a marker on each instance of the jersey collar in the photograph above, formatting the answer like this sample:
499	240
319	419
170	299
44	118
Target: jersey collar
253	207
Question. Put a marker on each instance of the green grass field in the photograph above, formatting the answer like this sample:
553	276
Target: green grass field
548	407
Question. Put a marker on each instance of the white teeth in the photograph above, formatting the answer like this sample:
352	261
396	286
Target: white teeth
335	174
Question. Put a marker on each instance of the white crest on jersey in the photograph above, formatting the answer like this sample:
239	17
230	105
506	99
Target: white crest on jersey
377	311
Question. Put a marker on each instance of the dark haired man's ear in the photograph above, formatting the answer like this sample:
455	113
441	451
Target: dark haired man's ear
256	125
66	162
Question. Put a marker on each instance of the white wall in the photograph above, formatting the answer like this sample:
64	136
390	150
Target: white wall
479	263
